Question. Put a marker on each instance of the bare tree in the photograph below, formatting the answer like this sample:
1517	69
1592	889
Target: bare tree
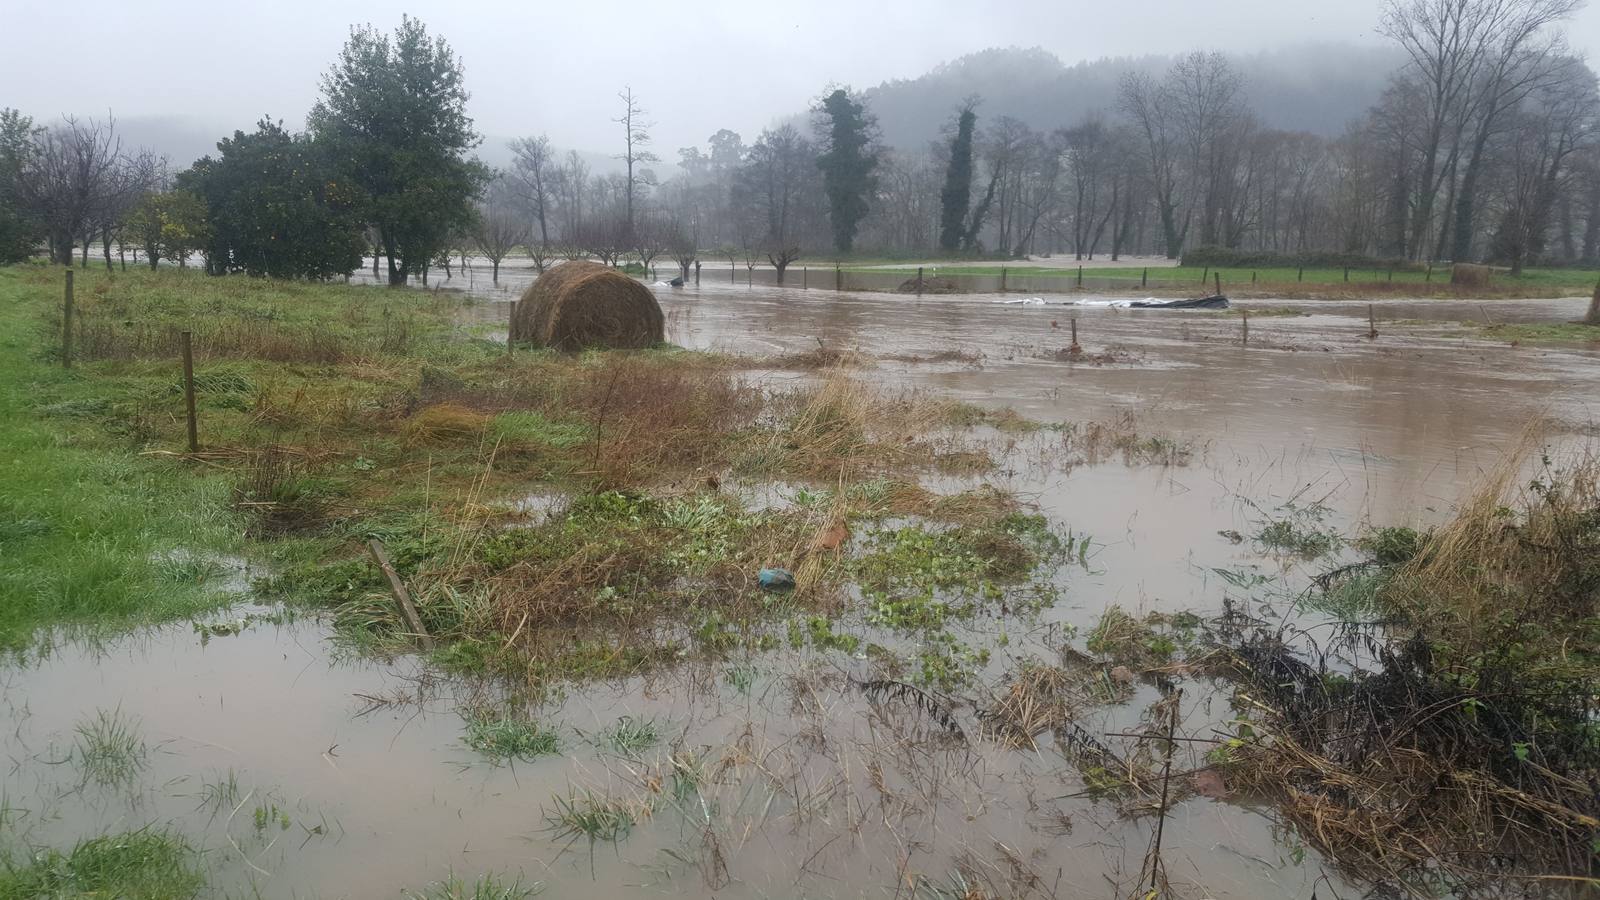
1462	53
1557	121
530	179
650	239
776	185
499	229
66	179
636	153
604	238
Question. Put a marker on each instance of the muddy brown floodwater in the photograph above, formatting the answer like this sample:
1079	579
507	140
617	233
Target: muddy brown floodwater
799	786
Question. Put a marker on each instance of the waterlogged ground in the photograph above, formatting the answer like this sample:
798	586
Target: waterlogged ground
306	772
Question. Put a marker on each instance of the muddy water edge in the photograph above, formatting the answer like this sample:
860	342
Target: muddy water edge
304	769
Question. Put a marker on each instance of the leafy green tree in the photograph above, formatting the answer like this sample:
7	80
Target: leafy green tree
168	225
394	112
956	197
19	233
276	207
845	132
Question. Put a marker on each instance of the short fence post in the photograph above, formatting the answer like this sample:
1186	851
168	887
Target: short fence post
1218	277
919	281
1002	279
805	278
66	325
1205	274
1391	276
1144	277
1252	278
1075	348
1302	274
1429	278
402	597
188	392
838	279
1346	274
1245	321
1080	278
1372	324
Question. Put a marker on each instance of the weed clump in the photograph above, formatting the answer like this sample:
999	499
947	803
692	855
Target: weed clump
506	738
1460	727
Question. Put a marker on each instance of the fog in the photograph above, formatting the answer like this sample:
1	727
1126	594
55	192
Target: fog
179	74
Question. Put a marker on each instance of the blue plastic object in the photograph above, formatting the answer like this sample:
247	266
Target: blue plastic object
776	580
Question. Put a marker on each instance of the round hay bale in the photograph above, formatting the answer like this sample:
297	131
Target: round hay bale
1469	275
580	304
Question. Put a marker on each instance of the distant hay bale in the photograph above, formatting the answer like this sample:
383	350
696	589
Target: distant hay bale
581	304
1469	275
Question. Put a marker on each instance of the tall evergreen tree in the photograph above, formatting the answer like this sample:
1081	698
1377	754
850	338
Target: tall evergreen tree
275	207
956	198
846	132
18	232
394	113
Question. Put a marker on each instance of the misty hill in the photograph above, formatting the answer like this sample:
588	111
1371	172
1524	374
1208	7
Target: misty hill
1315	87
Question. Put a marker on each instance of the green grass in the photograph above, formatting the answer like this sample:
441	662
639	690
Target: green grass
137	865
86	526
485	887
590	815
109	748
1532	282
507	739
630	736
1553	333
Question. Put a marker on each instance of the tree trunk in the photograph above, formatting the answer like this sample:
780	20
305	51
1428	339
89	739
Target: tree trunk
496	276
1593	318
105	247
154	258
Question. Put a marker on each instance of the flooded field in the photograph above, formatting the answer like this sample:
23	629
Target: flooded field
306	769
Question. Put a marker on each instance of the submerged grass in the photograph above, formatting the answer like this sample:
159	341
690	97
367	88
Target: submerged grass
109	748
504	739
138	865
490	886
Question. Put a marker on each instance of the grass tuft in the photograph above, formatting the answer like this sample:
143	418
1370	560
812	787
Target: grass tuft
109	749
507	738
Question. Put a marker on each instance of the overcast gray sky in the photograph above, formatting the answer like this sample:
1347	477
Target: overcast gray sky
555	68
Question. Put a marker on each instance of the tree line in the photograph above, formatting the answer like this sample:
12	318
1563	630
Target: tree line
1484	146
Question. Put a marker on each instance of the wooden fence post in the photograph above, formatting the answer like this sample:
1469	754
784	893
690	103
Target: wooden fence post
1218	277
1346	274
805	278
919	281
66	325
1075	348
1080	278
1301	276
1372	324
1002	279
838	279
188	392
1144	277
402	597
1245	321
